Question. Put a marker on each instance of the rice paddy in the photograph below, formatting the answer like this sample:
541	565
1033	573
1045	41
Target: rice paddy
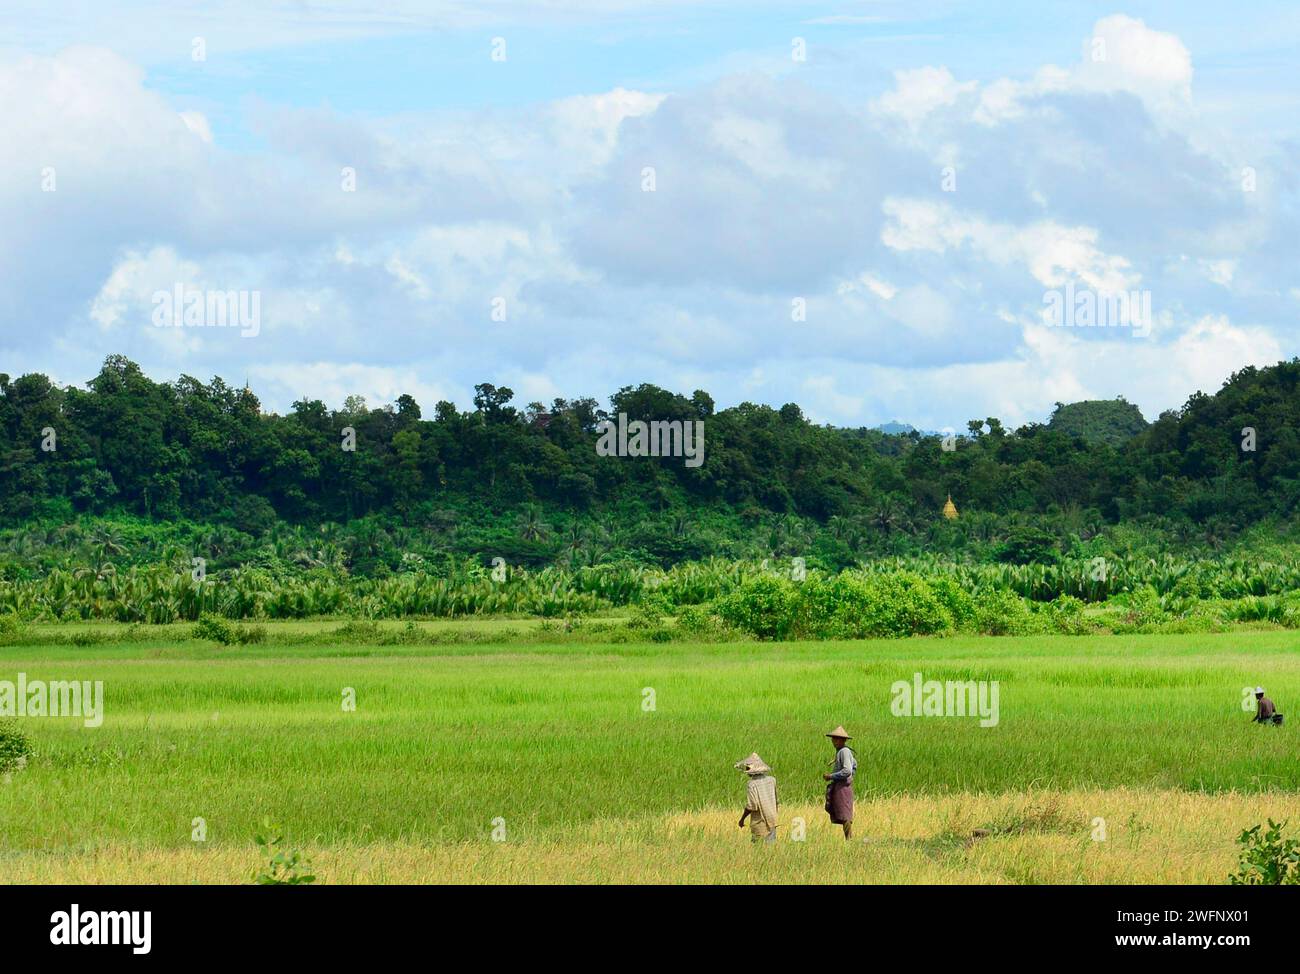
1114	759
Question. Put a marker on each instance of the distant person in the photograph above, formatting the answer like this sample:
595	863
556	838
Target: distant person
760	799
1265	712
839	793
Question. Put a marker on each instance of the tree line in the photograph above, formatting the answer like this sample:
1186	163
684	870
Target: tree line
207	451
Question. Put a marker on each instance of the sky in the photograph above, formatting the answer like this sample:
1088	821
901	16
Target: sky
877	210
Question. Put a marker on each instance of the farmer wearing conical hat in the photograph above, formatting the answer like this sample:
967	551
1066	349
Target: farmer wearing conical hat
760	799
839	791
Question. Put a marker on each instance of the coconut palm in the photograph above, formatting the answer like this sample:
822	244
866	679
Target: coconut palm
531	525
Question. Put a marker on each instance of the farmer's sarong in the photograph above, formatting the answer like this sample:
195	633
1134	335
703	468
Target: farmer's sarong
839	802
760	831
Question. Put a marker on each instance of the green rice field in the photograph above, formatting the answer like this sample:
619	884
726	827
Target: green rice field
593	762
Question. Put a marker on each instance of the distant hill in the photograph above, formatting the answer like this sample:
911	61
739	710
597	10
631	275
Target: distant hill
894	427
1110	421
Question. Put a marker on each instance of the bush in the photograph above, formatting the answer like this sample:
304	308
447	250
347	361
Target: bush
956	600
699	622
1003	613
648	614
1267	859
1140	610
220	630
1064	614
857	605
765	606
214	628
11	628
15	748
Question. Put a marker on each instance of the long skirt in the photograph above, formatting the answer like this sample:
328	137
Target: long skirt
839	802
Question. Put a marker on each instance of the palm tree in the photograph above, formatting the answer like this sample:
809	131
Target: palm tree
577	536
885	517
531	525
107	542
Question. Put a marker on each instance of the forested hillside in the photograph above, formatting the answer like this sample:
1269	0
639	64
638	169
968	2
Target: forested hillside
206	452
1113	421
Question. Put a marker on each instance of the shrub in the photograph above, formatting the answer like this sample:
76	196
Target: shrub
11	627
1064	614
1267	859
214	628
1140	609
764	606
856	605
699	622
283	866
360	631
1003	613
219	630
955	599
15	748
650	611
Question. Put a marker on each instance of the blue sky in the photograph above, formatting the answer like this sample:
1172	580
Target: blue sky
871	231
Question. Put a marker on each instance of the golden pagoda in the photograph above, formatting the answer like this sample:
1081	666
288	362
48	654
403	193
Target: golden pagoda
950	509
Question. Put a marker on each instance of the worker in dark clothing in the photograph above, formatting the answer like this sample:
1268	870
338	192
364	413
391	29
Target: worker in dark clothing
1265	711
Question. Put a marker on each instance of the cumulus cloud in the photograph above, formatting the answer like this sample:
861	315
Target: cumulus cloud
576	245
919	91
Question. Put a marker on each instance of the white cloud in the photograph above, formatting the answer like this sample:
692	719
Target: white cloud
919	91
1053	254
197	123
1121	55
922	305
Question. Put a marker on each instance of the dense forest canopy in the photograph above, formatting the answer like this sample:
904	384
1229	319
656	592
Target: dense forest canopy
208	452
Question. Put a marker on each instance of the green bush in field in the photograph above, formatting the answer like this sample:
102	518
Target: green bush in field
955	599
699	622
214	628
15	748
765	606
1002	613
648	617
1139	610
1065	615
1267	858
227	633
857	605
11	627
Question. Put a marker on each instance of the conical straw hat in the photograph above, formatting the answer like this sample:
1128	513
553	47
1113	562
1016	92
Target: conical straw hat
841	732
753	764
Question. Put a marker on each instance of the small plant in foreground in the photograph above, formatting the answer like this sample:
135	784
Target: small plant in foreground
283	866
1267	859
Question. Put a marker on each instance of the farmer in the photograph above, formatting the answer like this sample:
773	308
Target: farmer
760	799
839	793
1265	712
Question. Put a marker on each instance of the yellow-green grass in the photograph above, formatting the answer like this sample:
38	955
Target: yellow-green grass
1144	837
1146	732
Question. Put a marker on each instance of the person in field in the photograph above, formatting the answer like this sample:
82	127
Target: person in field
760	799
839	791
1265	711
